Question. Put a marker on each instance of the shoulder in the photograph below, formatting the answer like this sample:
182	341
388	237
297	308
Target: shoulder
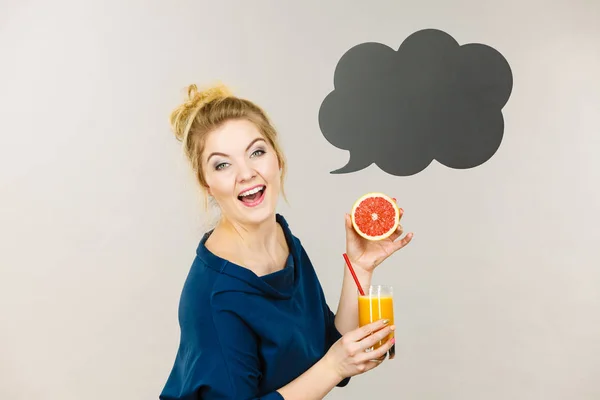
208	301
297	249
293	241
197	291
207	285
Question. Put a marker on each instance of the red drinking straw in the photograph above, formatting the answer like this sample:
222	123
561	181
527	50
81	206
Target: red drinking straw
362	293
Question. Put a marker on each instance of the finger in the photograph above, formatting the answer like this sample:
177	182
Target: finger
392	352
348	221
374	363
367	330
375	338
397	233
349	228
368	365
378	353
397	245
379	360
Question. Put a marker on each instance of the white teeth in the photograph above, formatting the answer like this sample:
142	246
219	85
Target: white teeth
252	191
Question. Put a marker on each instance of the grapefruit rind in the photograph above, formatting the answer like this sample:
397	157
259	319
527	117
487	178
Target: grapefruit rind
387	234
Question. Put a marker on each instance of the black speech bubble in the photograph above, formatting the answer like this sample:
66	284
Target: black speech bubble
432	99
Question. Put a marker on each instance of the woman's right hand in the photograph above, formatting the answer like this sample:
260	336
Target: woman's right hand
348	357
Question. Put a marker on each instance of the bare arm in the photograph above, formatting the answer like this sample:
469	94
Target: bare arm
346	318
347	357
313	384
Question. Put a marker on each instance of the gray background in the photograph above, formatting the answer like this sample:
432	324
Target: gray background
496	298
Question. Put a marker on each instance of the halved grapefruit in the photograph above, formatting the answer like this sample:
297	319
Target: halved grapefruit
375	216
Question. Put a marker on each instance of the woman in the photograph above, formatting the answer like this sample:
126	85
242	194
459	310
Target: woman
253	317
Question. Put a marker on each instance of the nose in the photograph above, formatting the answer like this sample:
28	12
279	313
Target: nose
245	172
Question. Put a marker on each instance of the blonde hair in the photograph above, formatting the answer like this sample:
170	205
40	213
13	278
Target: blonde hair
206	110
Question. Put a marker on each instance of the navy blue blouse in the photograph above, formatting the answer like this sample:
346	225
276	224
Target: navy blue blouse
244	336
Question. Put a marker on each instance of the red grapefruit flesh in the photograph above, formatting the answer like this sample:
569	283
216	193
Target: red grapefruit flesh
375	216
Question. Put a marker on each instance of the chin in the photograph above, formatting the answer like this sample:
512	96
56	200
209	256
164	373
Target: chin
259	207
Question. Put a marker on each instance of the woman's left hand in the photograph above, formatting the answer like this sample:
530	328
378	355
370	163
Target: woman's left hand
367	254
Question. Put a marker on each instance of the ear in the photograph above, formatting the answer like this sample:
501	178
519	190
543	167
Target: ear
206	189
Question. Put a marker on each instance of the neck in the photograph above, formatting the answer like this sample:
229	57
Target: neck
256	239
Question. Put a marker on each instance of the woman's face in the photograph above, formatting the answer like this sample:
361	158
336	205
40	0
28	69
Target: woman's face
242	172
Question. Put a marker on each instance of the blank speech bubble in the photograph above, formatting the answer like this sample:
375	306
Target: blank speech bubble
432	99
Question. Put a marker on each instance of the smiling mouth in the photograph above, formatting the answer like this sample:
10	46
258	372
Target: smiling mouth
253	196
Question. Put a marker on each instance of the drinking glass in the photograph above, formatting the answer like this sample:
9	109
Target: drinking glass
377	303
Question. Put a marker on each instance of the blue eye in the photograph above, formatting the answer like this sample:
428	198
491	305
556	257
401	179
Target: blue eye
258	152
220	166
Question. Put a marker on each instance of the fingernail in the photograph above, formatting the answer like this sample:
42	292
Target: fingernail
393	328
393	340
386	321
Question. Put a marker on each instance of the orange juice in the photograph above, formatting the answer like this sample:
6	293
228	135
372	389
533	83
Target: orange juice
372	308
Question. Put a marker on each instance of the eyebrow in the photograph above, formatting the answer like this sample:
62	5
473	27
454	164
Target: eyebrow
216	153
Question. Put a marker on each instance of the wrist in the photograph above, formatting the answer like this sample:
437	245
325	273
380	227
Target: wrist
364	276
329	371
360	268
314	383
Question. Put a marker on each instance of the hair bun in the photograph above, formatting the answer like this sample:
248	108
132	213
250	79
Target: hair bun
183	116
196	98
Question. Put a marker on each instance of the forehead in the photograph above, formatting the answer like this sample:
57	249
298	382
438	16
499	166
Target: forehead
232	135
